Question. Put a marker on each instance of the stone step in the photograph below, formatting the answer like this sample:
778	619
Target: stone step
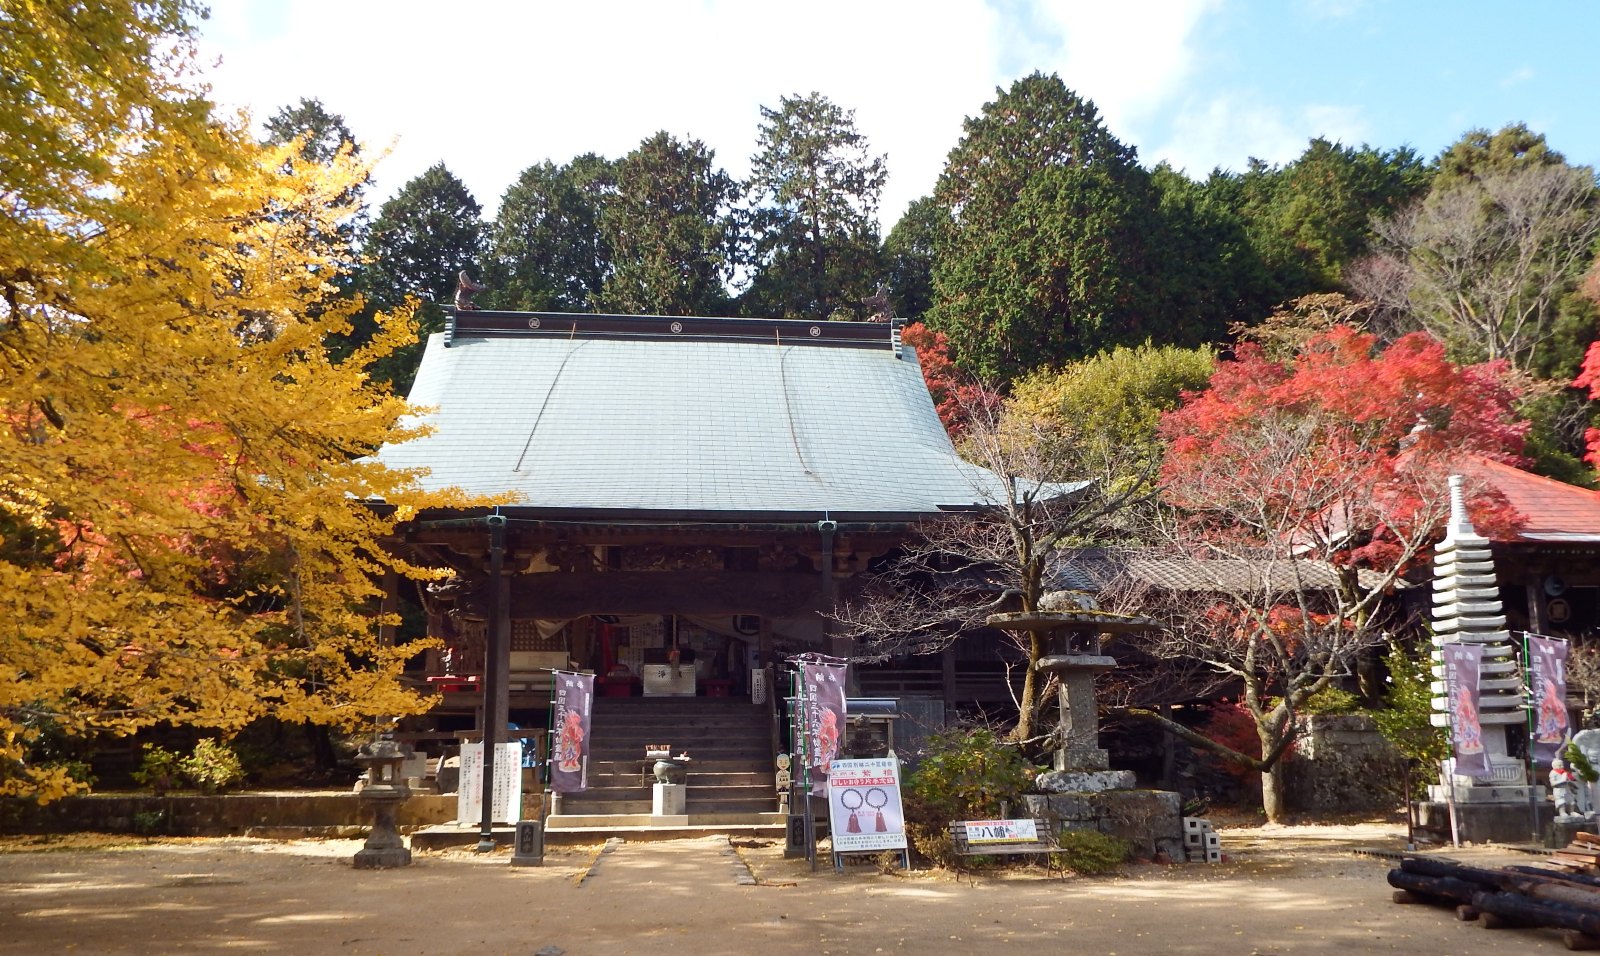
738	778
608	807
753	752
639	768
678	705
574	821
669	725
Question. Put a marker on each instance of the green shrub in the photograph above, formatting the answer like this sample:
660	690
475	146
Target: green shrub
1331	700
149	822
213	767
1090	852
967	774
1579	763
160	769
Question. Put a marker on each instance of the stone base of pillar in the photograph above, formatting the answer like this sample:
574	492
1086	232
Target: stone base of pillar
382	859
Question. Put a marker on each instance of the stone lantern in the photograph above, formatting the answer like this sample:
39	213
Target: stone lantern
385	790
1071	655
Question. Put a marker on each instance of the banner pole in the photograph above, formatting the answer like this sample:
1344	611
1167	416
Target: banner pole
1533	778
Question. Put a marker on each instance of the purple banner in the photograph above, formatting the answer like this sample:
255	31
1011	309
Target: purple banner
822	718
569	743
1461	666
1547	695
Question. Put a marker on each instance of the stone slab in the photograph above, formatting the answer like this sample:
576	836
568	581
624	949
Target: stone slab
1483	822
1084	781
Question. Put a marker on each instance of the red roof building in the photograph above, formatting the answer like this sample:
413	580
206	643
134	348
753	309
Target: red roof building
1550	570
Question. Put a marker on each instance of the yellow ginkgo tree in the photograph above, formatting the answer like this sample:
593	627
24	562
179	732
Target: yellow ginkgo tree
184	534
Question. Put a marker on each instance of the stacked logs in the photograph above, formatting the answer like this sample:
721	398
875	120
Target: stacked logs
1512	896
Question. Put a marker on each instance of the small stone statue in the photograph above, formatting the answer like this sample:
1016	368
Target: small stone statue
878	302
465	289
1564	788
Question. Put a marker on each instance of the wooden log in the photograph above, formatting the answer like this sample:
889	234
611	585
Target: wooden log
1578	896
1425	866
1466	912
1582	879
1537	912
1574	940
1496	921
1406	897
1435	888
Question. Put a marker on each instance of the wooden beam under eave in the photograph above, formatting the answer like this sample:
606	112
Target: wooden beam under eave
703	592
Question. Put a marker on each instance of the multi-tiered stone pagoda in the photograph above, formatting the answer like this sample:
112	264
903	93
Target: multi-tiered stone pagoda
1467	608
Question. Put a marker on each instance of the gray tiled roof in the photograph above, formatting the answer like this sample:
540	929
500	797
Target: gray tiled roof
685	425
1091	571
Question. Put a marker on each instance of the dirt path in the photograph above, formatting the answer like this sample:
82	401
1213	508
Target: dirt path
1288	890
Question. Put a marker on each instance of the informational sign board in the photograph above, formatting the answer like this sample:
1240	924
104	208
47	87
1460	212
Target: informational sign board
999	832
668	680
864	810
507	784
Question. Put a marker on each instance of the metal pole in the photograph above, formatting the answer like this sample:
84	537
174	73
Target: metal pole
1527	700
494	676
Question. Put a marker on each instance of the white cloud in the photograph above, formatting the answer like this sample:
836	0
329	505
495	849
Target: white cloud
1517	77
1229	130
1132	59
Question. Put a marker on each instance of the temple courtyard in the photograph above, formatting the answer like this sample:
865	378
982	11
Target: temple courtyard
1281	890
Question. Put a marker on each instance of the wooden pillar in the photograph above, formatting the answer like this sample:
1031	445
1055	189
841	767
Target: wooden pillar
836	646
1536	621
947	675
496	662
1169	752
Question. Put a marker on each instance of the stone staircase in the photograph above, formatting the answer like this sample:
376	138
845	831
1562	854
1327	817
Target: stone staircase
730	776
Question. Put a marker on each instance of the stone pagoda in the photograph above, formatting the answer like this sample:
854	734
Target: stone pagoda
1466	607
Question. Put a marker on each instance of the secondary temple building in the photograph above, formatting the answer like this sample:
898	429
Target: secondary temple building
679	503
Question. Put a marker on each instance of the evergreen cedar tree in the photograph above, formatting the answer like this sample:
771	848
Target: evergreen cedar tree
182	538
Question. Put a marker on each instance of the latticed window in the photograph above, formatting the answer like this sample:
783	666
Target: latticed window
525	637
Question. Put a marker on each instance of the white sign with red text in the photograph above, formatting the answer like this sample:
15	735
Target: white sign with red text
864	810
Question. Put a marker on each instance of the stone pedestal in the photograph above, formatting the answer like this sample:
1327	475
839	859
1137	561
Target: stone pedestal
1080	718
669	799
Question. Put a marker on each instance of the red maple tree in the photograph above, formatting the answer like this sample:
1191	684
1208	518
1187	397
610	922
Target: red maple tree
1301	492
955	394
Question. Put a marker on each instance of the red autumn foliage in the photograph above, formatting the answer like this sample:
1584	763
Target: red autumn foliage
955	394
1229	723
1342	450
1589	375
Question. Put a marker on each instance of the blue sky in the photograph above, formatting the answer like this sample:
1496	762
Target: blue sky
492	87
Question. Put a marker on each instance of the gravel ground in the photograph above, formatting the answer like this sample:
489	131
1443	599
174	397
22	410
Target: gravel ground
1283	890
